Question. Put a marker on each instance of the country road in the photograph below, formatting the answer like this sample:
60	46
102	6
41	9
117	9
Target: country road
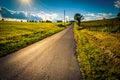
50	59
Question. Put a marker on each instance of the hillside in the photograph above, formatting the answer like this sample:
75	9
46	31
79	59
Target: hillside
105	25
98	48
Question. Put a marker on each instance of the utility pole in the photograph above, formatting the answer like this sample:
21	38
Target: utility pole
64	17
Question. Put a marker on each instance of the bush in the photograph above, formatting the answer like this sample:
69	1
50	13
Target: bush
61	25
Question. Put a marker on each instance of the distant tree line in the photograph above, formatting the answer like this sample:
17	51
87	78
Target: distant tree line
48	21
33	21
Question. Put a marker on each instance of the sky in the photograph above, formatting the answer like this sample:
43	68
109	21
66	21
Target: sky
54	9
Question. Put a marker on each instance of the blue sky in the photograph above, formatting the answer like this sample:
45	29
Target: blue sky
90	9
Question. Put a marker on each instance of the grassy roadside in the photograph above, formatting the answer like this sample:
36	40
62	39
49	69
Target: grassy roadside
16	35
98	54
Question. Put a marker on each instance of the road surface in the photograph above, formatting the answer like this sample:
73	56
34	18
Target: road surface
50	59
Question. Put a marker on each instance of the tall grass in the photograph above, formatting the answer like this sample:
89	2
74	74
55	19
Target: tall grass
16	35
98	54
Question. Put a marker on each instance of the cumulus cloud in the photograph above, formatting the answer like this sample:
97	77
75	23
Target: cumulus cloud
97	16
67	18
91	14
104	15
6	13
47	16
117	4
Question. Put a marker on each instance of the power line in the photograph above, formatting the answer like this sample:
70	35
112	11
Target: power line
45	7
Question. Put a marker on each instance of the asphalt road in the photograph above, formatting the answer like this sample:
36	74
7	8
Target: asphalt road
50	59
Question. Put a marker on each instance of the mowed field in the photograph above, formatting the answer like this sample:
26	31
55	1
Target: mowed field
98	47
16	35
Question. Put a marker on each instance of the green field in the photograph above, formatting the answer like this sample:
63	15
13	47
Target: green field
98	50
16	35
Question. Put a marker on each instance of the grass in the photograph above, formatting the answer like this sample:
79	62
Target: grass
98	53
16	35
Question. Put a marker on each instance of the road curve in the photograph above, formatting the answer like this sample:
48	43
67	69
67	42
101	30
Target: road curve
50	59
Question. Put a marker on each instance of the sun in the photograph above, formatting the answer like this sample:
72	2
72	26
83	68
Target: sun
25	5
25	2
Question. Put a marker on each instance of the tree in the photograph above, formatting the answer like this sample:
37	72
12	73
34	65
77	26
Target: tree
2	19
78	17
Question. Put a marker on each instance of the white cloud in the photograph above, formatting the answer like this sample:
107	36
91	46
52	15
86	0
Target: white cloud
91	14
6	13
54	16
97	16
117	4
67	18
104	15
47	16
27	15
12	19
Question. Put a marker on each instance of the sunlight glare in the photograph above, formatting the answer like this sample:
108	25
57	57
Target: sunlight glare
27	2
